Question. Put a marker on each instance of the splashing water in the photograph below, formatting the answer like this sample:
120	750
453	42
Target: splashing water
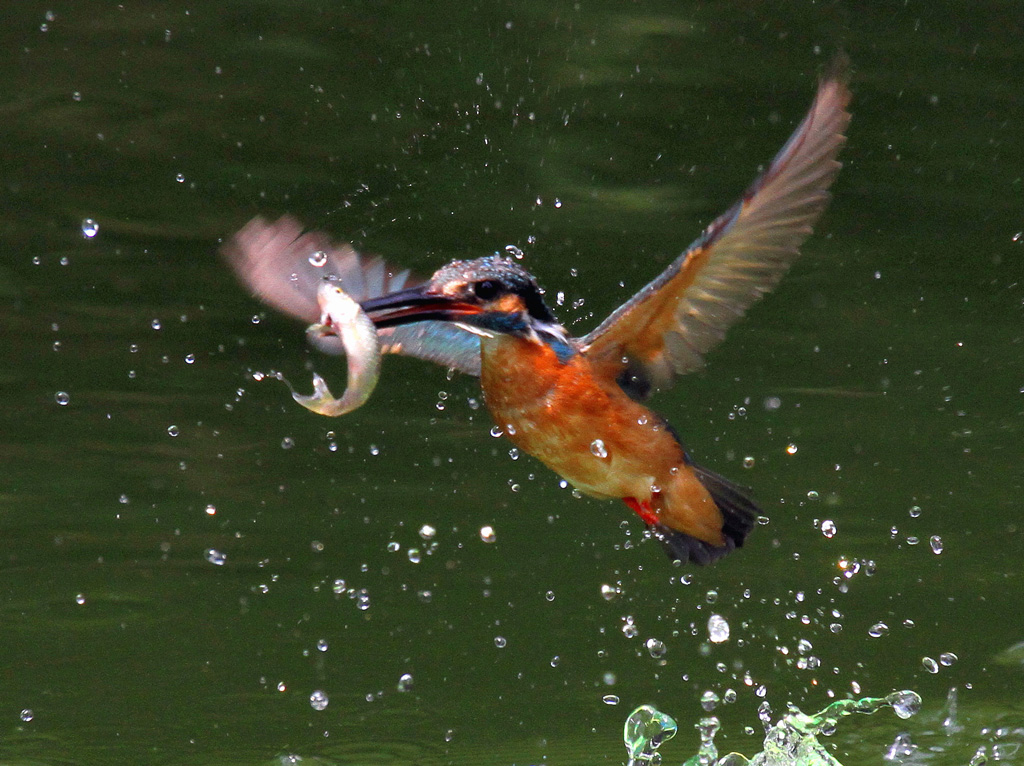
792	741
646	729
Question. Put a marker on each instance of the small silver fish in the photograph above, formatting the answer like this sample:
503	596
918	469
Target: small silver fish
342	316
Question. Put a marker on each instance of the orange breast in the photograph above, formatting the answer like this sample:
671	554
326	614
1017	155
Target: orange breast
587	430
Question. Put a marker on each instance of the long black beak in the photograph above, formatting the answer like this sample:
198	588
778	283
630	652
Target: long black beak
415	304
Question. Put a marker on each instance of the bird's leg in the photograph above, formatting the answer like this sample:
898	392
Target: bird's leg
642	509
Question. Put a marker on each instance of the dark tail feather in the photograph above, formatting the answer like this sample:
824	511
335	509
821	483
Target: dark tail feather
739	514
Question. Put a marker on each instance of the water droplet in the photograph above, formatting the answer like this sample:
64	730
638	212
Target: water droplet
322	645
828	528
550	595
656	648
929	664
427	532
487	534
90	228
215	557
173	430
425	596
500	642
287	442
374	450
180	178
555	660
80	598
393	547
936	543
791	449
878	630
915	511
362	597
514	251
709	700
718	629
318	259
748	462
610	592
609	678
597	449
26	715
610	699
629	628
190	358
947	658
318	700
62	398
414	555
339	587
405	682
904	704
496	431
211	510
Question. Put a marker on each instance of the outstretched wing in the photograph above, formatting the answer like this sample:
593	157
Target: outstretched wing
667	327
284	266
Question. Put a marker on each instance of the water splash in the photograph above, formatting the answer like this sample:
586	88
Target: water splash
645	731
792	741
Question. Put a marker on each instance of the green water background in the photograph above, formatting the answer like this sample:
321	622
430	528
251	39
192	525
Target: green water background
599	137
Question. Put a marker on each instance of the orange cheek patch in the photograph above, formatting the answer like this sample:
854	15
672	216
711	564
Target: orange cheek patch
511	304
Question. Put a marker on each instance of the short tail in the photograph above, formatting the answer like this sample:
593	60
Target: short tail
739	514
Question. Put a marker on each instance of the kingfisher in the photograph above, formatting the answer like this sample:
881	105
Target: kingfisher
578	403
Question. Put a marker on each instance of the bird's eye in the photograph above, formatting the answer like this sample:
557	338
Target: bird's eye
486	289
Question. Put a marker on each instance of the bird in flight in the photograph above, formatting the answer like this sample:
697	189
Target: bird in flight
577	404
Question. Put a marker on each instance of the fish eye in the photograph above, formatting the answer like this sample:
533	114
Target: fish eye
486	289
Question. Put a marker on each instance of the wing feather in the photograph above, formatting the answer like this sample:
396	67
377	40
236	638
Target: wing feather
283	266
667	327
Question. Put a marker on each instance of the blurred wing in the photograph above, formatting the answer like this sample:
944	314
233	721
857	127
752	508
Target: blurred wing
666	328
284	266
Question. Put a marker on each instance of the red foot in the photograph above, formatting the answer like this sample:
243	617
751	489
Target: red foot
643	510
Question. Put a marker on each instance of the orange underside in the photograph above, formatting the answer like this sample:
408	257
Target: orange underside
588	431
